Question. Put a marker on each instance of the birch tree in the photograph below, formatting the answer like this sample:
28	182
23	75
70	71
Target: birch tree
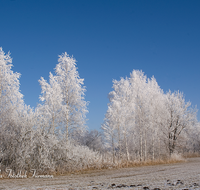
74	107
52	98
140	91
156	114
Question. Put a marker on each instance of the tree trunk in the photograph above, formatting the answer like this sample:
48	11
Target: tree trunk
113	148
145	147
67	128
127	152
141	147
153	148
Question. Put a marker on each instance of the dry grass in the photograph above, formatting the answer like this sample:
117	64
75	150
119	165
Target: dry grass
191	155
125	164
150	163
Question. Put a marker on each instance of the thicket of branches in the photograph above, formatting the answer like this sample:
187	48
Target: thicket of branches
142	123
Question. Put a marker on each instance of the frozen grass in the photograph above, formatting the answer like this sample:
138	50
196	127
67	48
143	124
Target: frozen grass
177	157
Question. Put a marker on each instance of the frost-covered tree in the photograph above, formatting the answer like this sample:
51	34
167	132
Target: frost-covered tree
193	140
63	107
11	100
156	113
14	134
60	115
115	122
178	118
92	139
122	115
51	109
74	107
140	91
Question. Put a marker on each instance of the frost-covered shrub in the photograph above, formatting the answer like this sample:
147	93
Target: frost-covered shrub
51	153
74	157
177	157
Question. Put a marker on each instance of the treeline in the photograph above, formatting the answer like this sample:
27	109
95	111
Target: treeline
142	123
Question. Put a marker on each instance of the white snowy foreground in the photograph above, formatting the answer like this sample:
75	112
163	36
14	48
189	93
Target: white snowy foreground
185	175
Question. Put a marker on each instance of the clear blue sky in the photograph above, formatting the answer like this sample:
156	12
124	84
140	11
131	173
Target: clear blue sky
108	38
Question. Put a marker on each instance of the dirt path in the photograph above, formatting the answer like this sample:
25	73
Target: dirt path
167	176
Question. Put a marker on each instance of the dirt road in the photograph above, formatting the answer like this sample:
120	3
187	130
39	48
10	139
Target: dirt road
184	175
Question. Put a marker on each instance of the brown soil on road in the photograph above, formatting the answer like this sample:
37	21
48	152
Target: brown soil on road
185	175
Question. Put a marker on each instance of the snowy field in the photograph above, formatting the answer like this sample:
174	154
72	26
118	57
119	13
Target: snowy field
184	175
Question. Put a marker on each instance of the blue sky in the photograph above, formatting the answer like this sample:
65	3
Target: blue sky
108	38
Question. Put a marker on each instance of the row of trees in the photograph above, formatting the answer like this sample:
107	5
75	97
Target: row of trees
141	122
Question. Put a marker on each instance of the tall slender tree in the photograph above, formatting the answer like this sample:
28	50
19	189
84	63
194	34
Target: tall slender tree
63	105
74	107
52	98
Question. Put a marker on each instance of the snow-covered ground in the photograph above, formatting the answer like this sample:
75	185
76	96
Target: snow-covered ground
184	175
